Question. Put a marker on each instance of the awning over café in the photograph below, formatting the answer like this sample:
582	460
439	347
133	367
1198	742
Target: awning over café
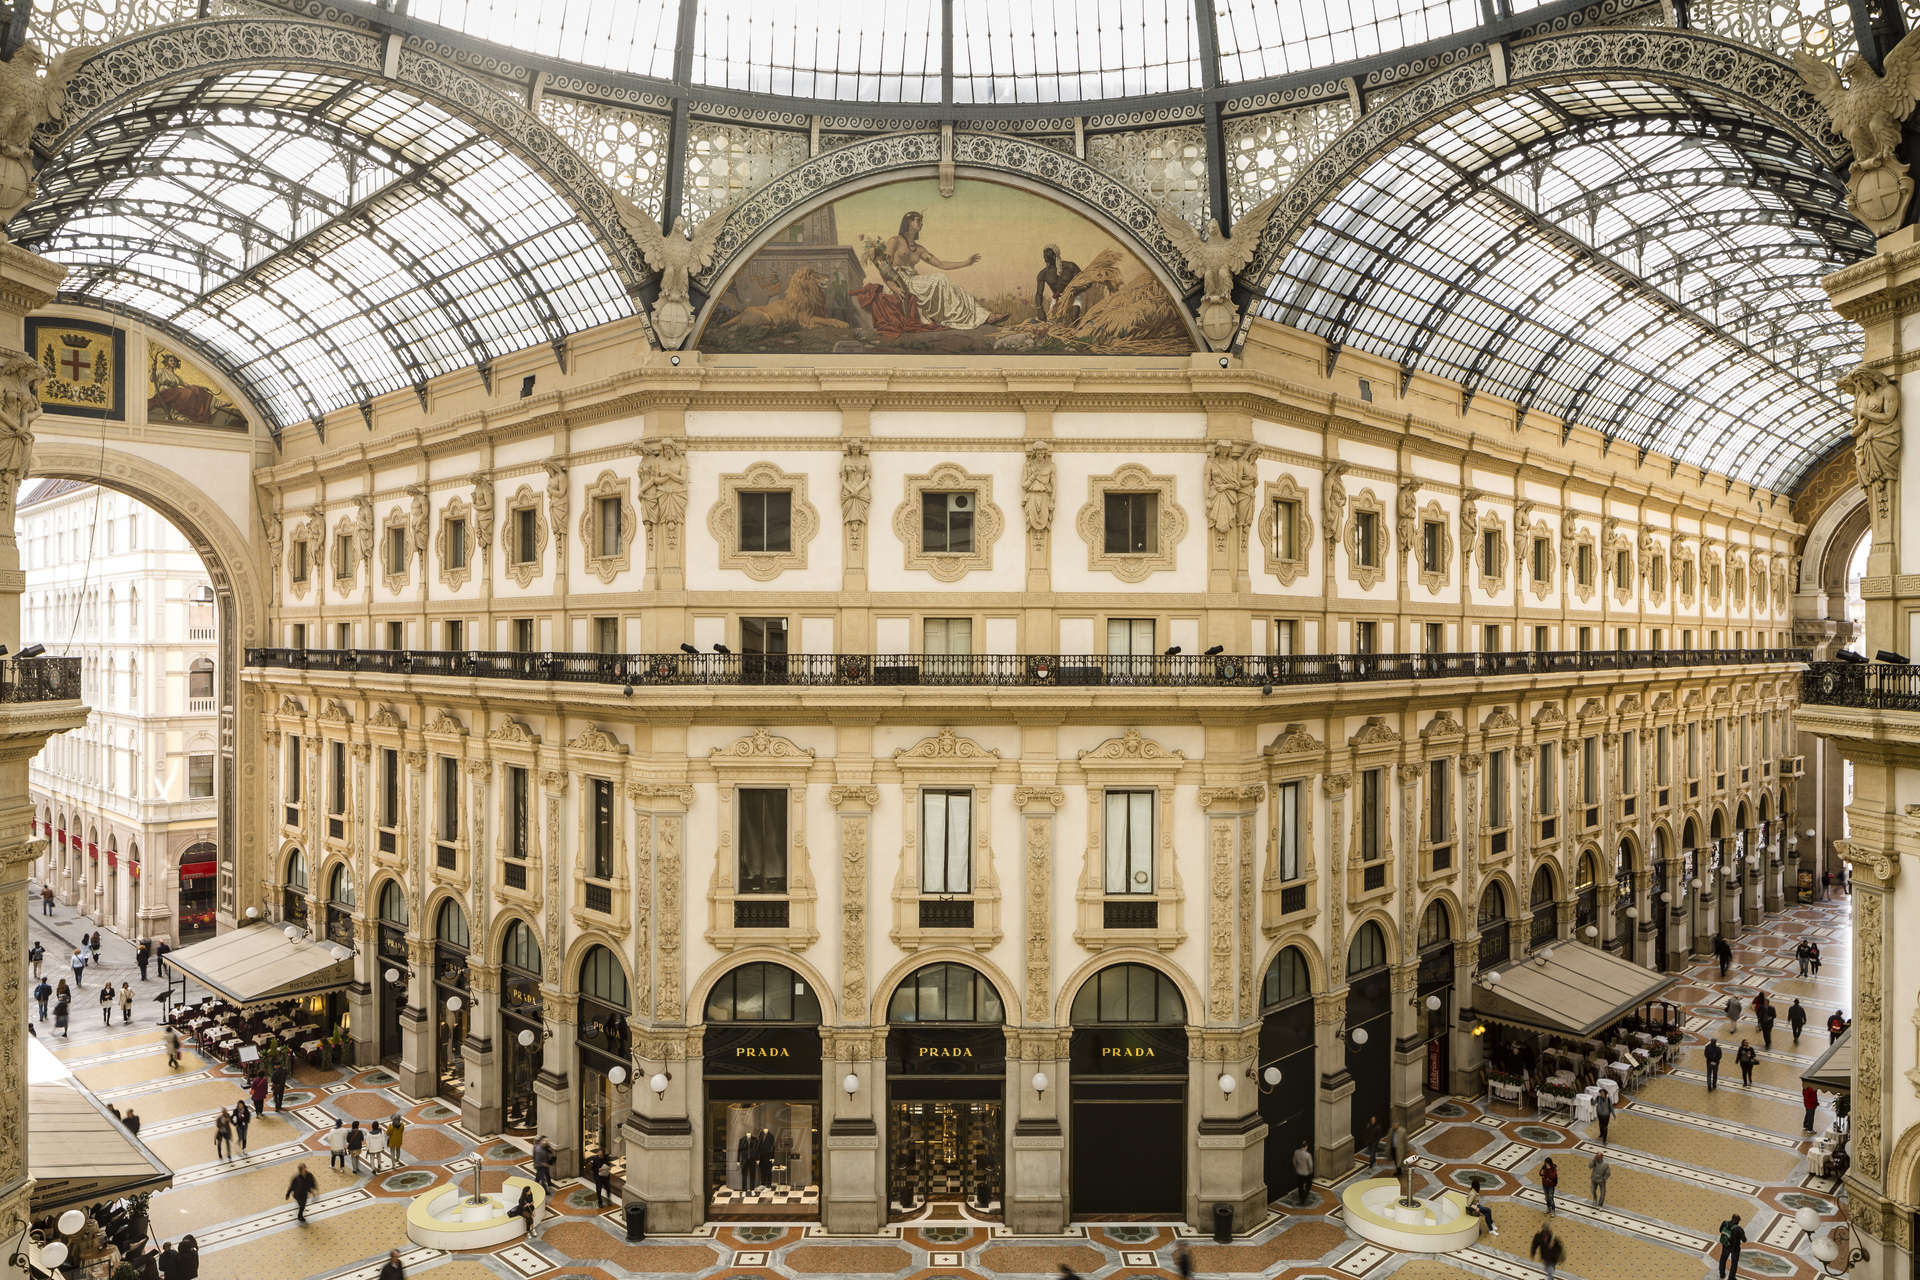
1569	989
258	964
1833	1070
77	1153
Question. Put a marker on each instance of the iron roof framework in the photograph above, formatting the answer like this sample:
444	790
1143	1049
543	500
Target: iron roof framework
326	239
1626	257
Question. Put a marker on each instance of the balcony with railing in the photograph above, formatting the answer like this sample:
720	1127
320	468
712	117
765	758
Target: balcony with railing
1873	686
637	670
40	680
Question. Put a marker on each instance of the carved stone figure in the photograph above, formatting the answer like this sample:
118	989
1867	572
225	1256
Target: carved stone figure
557	504
1645	548
1036	487
1470	523
675	253
1868	110
417	519
483	511
27	101
20	377
1876	432
856	483
363	528
663	482
1333	501
1230	480
276	539
1406	510
1215	259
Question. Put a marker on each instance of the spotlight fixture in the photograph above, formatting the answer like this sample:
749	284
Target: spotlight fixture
674	361
687	648
720	648
1888	655
1172	649
1214	651
1848	655
31	651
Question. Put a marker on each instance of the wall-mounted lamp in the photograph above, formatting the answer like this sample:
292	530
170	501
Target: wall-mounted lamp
1358	1035
454	1004
1490	979
393	976
1833	1260
528	1036
1227	1083
49	1255
616	1076
1633	913
253	913
659	1083
1040	1083
851	1084
1592	931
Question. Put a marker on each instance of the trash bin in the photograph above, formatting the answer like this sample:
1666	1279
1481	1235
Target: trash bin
636	1222
1223	1224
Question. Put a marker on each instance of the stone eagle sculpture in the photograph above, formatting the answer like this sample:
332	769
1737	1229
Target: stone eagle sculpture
27	101
676	254
1868	111
1215	259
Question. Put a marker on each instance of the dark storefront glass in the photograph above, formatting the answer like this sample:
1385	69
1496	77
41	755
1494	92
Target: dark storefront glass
762	1075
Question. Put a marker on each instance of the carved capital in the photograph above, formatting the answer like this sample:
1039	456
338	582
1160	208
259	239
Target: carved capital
853	796
1038	797
1232	798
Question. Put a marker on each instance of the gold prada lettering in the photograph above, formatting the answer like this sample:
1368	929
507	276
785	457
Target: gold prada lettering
1126	1051
773	1052
947	1051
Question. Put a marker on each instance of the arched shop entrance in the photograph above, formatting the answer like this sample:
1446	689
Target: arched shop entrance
1626	913
605	1048
199	885
1129	1103
294	904
451	1000
1586	896
946	1089
762	1075
522	1027
1285	1075
1434	993
340	904
1659	897
395	970
1369	1035
1496	932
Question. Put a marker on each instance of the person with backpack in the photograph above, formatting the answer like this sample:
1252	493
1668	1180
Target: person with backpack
42	994
1796	1019
300	1189
1546	1246
1549	1180
1746	1059
1836	1025
1732	1236
1603	1113
36	954
356	1143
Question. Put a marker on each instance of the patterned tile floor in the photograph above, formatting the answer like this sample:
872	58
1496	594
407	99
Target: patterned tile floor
1684	1160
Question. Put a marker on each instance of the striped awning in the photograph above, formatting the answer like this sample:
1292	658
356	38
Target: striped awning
77	1153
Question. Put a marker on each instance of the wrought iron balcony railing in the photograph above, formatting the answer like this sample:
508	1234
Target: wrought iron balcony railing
995	669
40	680
1880	686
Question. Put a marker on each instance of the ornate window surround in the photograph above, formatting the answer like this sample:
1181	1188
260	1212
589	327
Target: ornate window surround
605	568
1622	583
1285	489
1499	731
595	756
723	522
988	522
1584	592
1375	745
1714	575
456	509
1686	583
948	761
512	744
762	759
385	732
350	580
309	531
1091	524
1433	513
1368	576
1131	762
396	580
1659	559
1294	755
523	572
1493	578
1541	587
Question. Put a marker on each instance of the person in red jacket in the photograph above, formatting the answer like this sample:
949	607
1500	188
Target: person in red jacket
1810	1099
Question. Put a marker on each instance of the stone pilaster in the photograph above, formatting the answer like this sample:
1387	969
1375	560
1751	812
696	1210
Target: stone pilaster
663	1150
1036	1173
1332	1125
854	1197
553	1087
481	1102
417	1022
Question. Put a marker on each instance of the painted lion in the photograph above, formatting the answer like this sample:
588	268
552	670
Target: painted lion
803	306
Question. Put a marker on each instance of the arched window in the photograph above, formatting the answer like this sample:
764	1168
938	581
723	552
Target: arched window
393	905
1495	931
1436	927
604	980
518	949
1128	993
200	678
763	992
1546	915
340	887
945	993
450	926
1287	980
1368	951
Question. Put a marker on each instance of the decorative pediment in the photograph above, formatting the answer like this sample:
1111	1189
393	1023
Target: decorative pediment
514	731
1294	740
1443	726
1500	719
1691	698
335	712
1131	746
384	717
290	706
592	738
762	744
444	723
1376	730
1628	704
1663	702
1549	714
947	746
1591	707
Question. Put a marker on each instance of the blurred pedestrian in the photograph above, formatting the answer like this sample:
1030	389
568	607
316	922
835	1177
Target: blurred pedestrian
1746	1059
1549	1180
1546	1246
300	1189
223	1135
1599	1169
1796	1019
392	1269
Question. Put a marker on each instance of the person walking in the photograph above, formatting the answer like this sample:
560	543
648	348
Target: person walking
1549	1180
1767	1016
1303	1171
241	1119
1603	1113
107	994
392	1269
223	1135
132	1121
336	1141
1546	1246
1183	1262
173	1048
1796	1019
543	1163
1732	1236
257	1090
1826	884
1800	956
35	954
93	945
356	1143
1599	1169
168	1262
1713	1054
1722	952
376	1145
1732	1008
599	1168
396	1131
142	956
60	1008
1810	1099
279	1078
160	954
300	1189
1746	1058
189	1258
1836	1025
78	963
46	900
126	1003
1813	957
41	994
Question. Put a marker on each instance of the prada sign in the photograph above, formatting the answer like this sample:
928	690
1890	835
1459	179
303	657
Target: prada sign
1130	1051
745	1050
946	1051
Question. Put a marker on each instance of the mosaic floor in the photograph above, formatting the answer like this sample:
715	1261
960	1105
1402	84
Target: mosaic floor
1683	1161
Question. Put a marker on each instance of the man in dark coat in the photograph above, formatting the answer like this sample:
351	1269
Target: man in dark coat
1796	1019
1722	952
1767	1016
300	1190
1712	1055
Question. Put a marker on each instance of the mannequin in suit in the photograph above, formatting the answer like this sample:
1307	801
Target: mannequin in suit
745	1152
765	1149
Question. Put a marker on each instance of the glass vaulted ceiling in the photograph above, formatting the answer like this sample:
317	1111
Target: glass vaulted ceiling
326	240
1618	256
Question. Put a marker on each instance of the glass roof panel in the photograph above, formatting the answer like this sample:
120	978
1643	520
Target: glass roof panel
839	50
1067	50
622	35
1261	38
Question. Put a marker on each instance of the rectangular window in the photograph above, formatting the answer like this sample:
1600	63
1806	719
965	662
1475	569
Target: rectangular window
1686	578
299	635
200	776
1491	553
396	635
948	635
1629	762
763	636
343	635
1590	769
1128	836
608	515
456	544
1686	638
1366	637
1430	546
455	631
1542	639
1130	637
1497	813
1373	818
1285	637
600	844
290	770
524	535
1132	523
766	520
606	635
342	556
1745	754
1583	565
1622	569
1713	639
946	842
1365	524
299	569
337	767
1436	633
1719	746
523	635
450	804
1286	523
518	806
763	840
397	549
1657	638
1662	755
1542	559
946	522
1693	750
1586	639
1286	815
1657	575
389	815
1547	787
1439	801
1490	638
1623	638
